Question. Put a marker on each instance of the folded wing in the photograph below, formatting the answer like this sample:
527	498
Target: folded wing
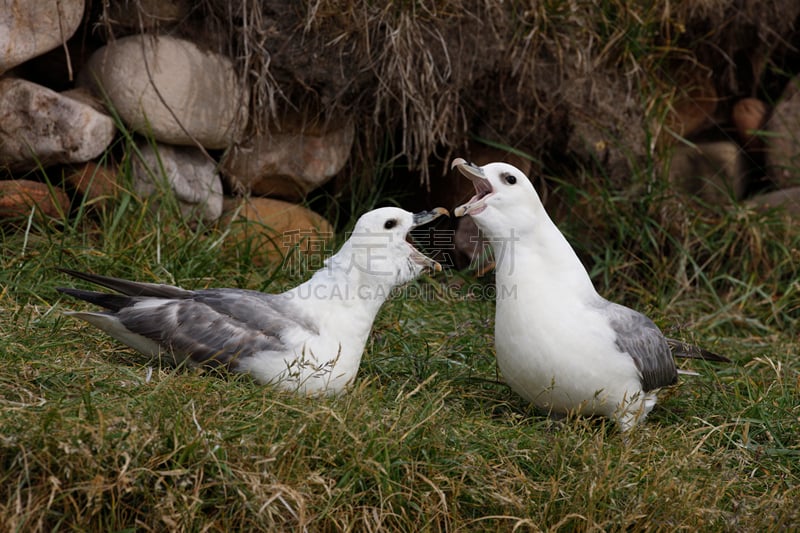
210	327
640	338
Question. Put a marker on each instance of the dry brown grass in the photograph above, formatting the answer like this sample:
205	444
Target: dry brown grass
576	80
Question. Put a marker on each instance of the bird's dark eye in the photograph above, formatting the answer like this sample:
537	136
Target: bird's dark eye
390	223
511	180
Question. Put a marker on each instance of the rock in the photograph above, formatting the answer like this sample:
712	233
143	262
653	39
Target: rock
273	229
783	138
748	116
29	28
712	171
96	182
786	199
604	131
205	102
693	108
18	197
184	170
42	127
288	165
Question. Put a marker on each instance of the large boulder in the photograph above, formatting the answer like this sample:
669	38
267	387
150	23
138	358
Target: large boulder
786	200
29	28
710	171
289	164
171	89
184	171
783	138
274	230
42	127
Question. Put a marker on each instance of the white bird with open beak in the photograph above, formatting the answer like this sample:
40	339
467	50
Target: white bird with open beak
560	345
309	339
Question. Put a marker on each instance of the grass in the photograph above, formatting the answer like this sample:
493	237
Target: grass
95	438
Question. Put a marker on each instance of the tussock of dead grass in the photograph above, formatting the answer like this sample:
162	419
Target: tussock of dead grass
554	79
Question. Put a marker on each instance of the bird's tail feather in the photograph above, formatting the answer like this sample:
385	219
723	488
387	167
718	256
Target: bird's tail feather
690	351
129	288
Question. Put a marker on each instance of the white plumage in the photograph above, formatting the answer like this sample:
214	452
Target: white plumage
559	344
309	339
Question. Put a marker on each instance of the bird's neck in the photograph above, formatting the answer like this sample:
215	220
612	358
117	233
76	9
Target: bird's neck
541	257
342	284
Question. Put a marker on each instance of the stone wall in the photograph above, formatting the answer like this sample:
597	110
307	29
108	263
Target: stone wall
86	85
183	108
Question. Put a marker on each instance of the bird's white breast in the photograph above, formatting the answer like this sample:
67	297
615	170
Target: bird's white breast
324	362
556	350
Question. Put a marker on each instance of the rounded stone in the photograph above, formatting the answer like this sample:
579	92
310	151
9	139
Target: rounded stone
19	197
170	89
274	230
29	28
40	127
289	165
184	171
783	138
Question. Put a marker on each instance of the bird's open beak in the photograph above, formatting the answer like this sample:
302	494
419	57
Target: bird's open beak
424	217
483	188
421	218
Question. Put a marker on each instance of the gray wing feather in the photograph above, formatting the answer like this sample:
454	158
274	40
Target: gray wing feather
256	310
219	326
212	326
191	329
640	338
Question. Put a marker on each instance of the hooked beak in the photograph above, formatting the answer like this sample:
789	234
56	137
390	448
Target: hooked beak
421	218
483	189
424	217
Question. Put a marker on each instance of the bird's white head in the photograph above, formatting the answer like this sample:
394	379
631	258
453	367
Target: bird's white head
378	247
504	198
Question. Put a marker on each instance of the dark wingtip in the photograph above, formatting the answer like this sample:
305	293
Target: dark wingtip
127	287
690	351
77	274
113	302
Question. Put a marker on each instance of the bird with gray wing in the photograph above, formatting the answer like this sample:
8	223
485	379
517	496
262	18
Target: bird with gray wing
309	339
559	344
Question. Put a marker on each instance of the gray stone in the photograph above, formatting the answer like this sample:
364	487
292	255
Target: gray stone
785	199
170	89
712	171
186	172
29	28
289	165
783	138
40	126
471	249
